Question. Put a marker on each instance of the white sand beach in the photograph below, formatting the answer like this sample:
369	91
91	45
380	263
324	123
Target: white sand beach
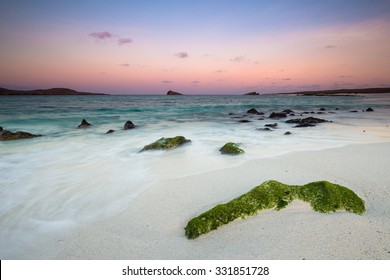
153	225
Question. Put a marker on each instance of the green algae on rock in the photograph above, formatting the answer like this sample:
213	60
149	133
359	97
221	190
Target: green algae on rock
323	196
231	149
166	143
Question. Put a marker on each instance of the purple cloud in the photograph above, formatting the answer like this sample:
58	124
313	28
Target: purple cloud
123	41
181	54
330	47
195	82
286	79
125	65
167	82
101	35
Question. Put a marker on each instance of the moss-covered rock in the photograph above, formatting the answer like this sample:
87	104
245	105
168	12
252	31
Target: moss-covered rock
166	143
231	149
324	197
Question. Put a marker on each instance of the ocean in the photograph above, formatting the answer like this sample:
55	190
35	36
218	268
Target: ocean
71	177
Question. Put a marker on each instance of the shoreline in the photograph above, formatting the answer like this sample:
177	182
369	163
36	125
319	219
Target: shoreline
152	227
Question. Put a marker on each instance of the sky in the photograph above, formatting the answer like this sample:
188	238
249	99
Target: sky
194	47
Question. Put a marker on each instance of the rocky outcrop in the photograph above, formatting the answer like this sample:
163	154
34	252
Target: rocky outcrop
128	125
84	124
6	135
166	143
252	93
231	149
370	109
273	125
171	92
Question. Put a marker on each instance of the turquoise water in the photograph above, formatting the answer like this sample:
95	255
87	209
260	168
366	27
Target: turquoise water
71	177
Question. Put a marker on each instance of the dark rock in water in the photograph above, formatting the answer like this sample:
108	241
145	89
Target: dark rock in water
254	111
231	149
128	125
6	135
244	121
84	124
307	122
287	111
110	131
337	109
320	113
264	129
260	119
370	109
166	143
171	92
231	114
322	109
273	125
292	114
287	133
252	93
277	115
353	111
1	128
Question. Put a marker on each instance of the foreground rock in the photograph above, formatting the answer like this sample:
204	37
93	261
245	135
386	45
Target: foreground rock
323	196
128	125
307	122
6	135
166	143
231	149
84	124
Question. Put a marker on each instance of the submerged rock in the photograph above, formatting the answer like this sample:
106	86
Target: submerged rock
166	143
306	122
231	148
244	121
277	115
84	124
110	131
287	111
323	196
273	125
128	125
287	133
264	129
370	109
6	135
254	111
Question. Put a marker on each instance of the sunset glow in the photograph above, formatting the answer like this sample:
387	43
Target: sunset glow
194	47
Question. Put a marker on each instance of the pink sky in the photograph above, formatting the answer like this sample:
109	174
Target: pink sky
130	58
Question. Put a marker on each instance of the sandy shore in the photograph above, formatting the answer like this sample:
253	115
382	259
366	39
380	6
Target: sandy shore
153	225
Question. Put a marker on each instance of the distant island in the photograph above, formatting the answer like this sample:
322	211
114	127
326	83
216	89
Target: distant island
252	93
171	92
340	92
52	91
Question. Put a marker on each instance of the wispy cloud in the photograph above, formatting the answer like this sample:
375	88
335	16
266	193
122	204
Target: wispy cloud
286	79
101	35
125	64
238	59
219	71
195	82
167	82
330	47
124	41
181	54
